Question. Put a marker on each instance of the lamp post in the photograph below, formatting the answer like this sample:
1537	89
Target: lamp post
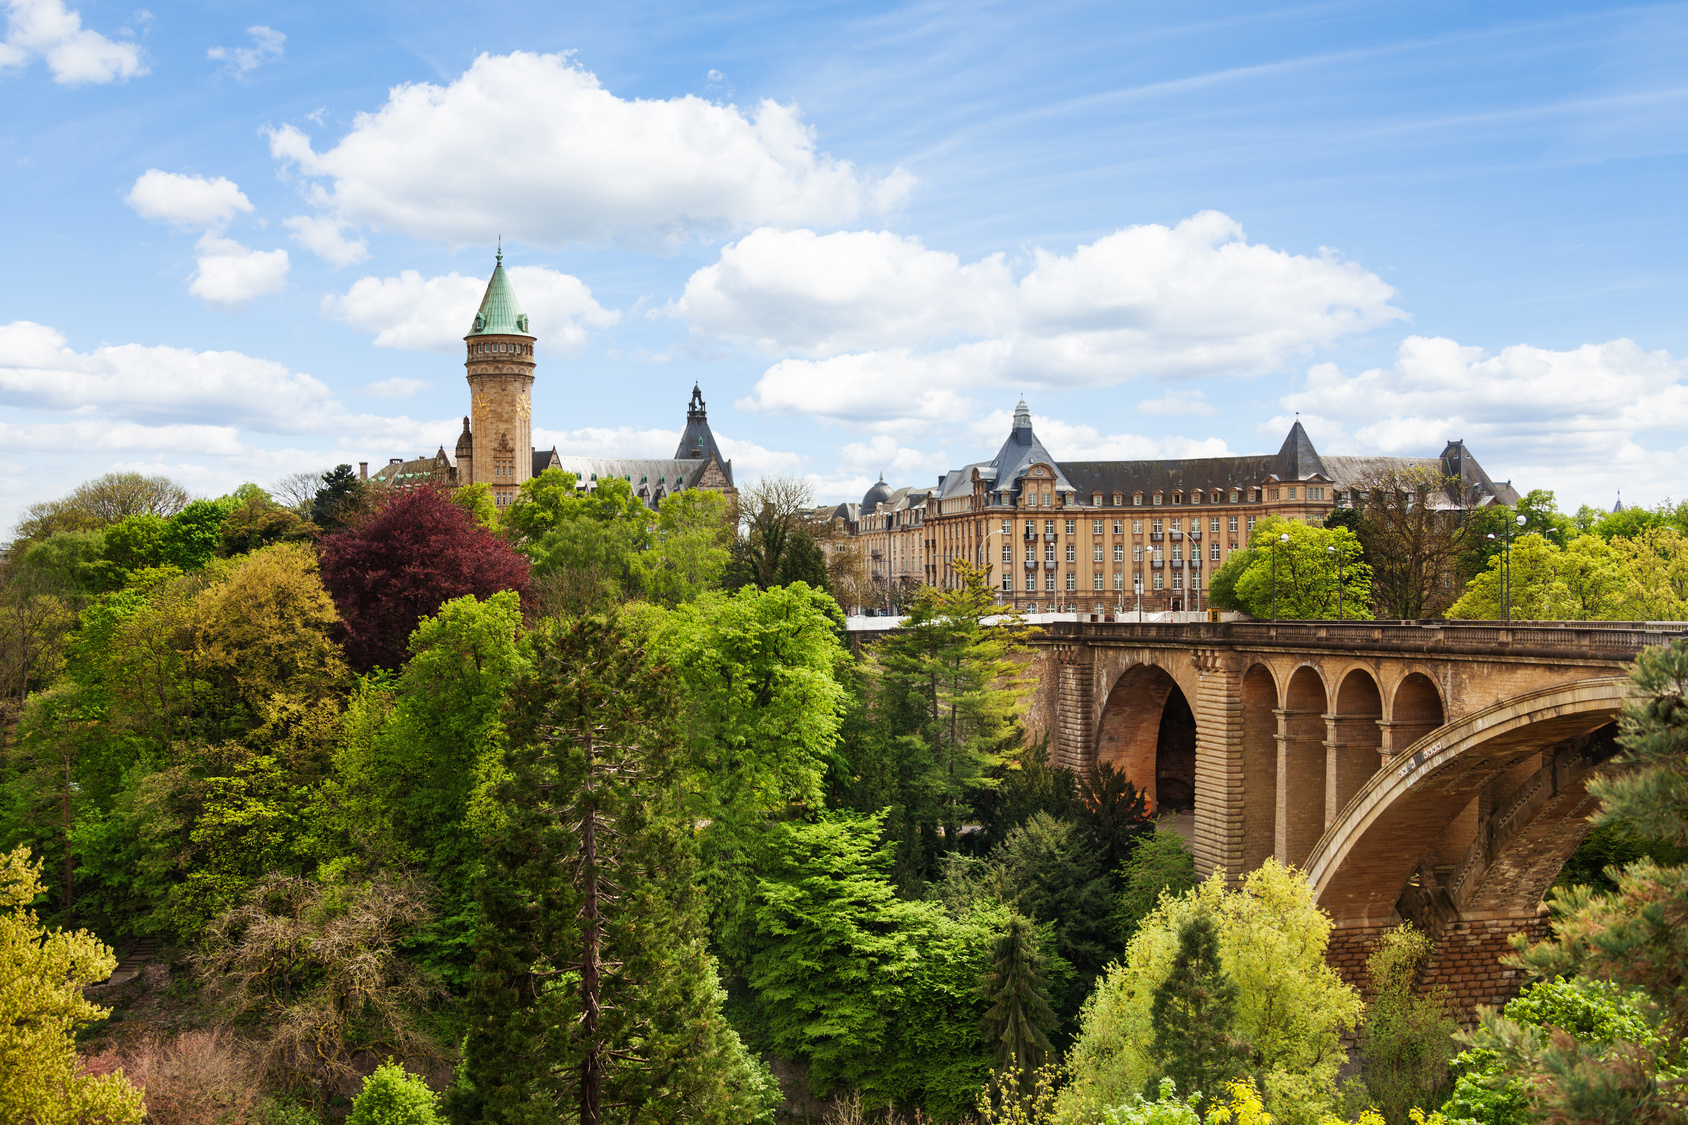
1284	538
1338	554
1506	562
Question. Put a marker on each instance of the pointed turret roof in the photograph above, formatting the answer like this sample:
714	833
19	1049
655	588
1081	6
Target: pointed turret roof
500	313
1298	460
697	442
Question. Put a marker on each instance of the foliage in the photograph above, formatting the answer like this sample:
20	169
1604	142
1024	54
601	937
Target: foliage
689	548
1160	864
391	1096
1192	1015
102	502
757	672
194	1078
583	543
1016	1026
1302	582
1291	1009
257	521
477	500
400	564
1609	846
1406	1040
1112	814
1413	540
778	544
41	1005
1644	578
323	964
338	501
586	999
1635	937
1025	784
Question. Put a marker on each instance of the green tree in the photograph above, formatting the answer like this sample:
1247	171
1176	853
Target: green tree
42	975
391	1096
1160	864
477	500
945	690
1018	1023
102	502
583	543
689	548
1406	1040
1654	565
588	1002
1292	1007
337	502
256	521
1303	582
69	563
1537	590
1192	1015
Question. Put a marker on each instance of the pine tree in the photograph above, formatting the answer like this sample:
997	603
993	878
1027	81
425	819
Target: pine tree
594	997
1020	1018
1192	1014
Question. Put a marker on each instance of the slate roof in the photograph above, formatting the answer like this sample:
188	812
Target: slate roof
697	442
1149	477
651	478
1297	459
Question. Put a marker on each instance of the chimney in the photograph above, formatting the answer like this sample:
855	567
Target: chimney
363	470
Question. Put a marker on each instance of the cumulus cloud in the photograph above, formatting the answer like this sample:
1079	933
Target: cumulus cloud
396	387
1526	412
1178	402
187	201
231	275
435	161
877	327
48	30
326	238
267	46
419	313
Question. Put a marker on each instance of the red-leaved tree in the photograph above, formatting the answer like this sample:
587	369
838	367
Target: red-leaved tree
400	564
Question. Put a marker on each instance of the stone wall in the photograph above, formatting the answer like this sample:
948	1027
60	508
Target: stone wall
1465	959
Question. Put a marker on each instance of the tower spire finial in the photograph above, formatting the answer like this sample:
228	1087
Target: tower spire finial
500	259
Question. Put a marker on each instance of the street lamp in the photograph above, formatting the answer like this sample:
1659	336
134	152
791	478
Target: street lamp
1338	554
1506	562
1284	538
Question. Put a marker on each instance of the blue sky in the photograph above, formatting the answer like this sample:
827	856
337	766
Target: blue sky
245	239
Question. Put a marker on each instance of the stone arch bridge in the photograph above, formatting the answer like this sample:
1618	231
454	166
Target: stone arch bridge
1430	772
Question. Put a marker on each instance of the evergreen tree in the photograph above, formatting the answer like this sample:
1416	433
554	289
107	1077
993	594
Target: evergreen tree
1017	1025
335	501
594	997
1192	1015
1113	815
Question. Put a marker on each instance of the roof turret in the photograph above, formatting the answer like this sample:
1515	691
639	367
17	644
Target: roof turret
1298	460
500	314
697	443
879	494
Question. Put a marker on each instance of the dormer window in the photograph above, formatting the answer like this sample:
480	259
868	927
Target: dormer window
1177	497
1196	497
1157	499
1137	499
1119	500
1096	500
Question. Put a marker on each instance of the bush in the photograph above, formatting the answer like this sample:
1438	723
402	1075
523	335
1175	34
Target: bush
1407	1040
392	1097
197	1078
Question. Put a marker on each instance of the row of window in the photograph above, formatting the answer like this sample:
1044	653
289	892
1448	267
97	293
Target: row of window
500	349
1196	496
1096	552
1158	526
1098	579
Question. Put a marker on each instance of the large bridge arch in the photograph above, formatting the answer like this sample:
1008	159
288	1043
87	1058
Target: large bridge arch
1365	860
1147	730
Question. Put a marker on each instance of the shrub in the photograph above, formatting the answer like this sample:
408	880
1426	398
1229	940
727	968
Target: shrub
197	1078
390	1096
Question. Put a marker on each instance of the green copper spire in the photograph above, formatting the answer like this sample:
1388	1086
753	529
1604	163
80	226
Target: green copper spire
500	314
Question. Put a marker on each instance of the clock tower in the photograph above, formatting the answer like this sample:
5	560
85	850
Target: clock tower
496	447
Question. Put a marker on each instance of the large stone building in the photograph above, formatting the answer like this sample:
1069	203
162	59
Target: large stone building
496	445
1110	537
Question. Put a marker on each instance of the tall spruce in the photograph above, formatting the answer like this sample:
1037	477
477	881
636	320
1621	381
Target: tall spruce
594	997
1192	1015
1017	1025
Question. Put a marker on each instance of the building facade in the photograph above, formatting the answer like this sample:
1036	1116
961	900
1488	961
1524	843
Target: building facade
1115	537
496	445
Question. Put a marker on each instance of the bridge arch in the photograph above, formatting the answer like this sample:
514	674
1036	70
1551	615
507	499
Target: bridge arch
1301	765
1147	730
1355	745
1520	756
1415	710
1260	765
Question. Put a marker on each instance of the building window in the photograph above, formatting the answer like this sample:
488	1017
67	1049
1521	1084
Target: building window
1071	526
1251	520
1049	527
1177	581
1046	502
1196	497
1008	526
1177	497
1292	492
1233	523
1119	552
1177	554
1274	494
1119	527
1315	494
1049	583
1119	580
1157	498
1095	527
1031	527
1096	581
1049	552
1007	553
1213	525
1008	585
1155	527
1072	580
1136	527
1159	580
1096	500
1071	552
1096	552
1137	499
1213	552
1119	500
1137	552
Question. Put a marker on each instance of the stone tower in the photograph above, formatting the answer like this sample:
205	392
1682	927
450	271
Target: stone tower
496	446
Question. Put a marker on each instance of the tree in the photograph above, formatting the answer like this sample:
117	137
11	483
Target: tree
1536	590
1406	1041
42	975
1411	523
399	565
296	491
1017	1025
1654	568
334	506
945	688
594	996
1113	815
102	502
1633	937
1291	1008
1192	1014
257	521
583	543
391	1096
1302	584
689	549
778	544
1160	864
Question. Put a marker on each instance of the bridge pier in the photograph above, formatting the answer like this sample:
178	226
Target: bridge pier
1465	959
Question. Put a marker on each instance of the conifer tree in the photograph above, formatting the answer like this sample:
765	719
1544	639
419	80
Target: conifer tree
1017	1025
1192	1014
594	997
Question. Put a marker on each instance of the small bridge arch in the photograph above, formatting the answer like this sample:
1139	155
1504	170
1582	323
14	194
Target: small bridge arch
1147	731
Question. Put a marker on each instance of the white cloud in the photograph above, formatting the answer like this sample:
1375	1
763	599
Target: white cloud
48	30
434	313
121	437
1527	413
435	162
159	385
916	326
267	46
397	387
900	464
187	201
326	238
1178	402
231	275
